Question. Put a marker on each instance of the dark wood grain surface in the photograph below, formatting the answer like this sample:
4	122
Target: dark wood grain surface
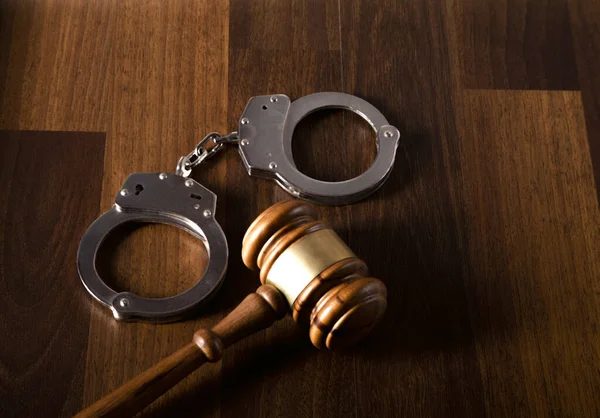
48	199
486	234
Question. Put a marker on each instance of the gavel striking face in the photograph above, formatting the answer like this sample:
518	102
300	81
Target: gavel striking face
305	268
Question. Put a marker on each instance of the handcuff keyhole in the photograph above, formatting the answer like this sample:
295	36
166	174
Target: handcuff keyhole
195	196
264	107
138	189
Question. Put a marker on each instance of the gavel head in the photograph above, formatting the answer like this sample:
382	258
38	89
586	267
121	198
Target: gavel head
325	284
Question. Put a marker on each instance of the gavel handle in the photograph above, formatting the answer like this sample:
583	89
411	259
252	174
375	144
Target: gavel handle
257	311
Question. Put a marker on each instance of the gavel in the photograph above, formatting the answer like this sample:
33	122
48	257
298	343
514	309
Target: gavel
306	269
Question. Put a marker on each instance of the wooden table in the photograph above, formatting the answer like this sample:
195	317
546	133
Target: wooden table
487	232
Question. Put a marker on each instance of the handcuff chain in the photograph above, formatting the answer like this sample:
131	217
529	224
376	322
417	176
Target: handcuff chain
201	154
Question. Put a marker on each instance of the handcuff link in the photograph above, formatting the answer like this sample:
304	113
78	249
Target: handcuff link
201	152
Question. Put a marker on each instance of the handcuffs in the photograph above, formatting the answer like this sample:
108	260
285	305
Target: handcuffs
265	145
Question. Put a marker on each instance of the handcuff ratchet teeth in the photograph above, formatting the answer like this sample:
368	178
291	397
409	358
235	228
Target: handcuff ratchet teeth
265	135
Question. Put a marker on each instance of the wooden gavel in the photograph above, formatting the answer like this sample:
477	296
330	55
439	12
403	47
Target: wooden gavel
304	266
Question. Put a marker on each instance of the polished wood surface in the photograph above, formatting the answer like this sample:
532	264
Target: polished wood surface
486	234
48	200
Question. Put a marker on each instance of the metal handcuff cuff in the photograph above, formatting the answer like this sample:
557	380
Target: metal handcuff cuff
265	145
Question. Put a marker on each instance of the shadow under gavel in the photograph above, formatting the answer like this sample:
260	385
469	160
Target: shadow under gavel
305	268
